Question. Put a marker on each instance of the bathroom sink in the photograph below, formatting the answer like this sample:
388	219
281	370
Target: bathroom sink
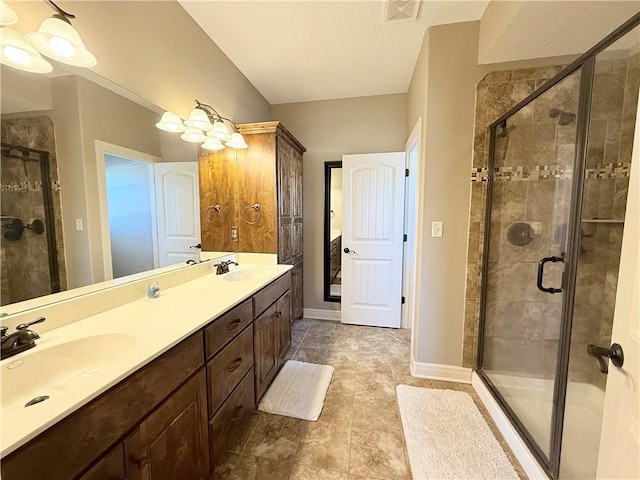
244	274
55	370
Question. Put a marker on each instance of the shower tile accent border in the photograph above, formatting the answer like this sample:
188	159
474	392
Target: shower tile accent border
28	186
550	172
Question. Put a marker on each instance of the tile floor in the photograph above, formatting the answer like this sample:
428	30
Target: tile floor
359	433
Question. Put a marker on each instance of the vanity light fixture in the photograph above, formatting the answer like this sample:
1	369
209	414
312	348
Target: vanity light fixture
16	52
8	16
204	125
56	38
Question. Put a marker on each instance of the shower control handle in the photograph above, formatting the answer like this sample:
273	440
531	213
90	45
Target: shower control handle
541	265
615	353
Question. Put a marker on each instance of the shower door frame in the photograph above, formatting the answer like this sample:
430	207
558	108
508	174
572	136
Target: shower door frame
49	211
586	63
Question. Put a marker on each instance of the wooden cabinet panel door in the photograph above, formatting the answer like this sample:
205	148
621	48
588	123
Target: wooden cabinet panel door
217	172
283	319
172	442
285	161
109	467
297	185
296	291
264	344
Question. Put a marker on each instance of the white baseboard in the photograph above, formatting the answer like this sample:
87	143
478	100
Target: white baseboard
435	371
526	459
320	314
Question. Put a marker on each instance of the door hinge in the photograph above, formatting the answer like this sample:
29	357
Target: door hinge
406	172
403	300
404	237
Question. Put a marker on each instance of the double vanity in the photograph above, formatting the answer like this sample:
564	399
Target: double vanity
153	388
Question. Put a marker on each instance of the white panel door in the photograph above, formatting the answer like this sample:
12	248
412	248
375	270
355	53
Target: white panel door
178	212
619	455
372	229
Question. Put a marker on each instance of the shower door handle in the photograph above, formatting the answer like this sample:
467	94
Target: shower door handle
541	265
615	353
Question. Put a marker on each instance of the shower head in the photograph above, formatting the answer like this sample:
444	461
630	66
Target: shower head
565	117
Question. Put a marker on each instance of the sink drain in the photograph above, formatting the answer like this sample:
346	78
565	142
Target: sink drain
33	401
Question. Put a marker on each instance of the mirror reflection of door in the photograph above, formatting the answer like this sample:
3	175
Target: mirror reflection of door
332	231
153	214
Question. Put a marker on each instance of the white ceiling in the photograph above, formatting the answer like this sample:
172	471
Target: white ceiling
298	51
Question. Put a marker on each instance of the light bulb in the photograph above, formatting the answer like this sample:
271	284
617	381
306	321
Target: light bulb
193	135
62	47
16	54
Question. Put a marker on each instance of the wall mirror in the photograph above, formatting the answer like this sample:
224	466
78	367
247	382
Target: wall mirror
332	230
95	142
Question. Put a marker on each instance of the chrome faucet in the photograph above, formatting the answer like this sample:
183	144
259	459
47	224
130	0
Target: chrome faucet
223	267
20	340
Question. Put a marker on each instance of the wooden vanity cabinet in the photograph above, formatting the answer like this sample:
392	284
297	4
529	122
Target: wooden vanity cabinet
283	327
177	417
266	358
272	331
172	442
109	467
268	173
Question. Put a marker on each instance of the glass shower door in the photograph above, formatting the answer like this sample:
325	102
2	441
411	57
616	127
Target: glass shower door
527	219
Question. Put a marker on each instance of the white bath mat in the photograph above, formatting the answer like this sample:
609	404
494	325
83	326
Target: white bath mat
447	437
298	391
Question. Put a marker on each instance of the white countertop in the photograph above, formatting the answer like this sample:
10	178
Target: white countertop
156	325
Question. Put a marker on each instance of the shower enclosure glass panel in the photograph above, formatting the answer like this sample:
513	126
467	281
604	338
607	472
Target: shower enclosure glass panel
606	180
529	206
28	255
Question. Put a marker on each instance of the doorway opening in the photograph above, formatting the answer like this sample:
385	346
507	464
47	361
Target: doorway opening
131	209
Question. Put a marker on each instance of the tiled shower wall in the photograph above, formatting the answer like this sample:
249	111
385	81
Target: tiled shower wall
24	262
537	165
496	93
613	118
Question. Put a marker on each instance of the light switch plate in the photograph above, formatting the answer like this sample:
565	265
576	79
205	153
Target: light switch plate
436	229
79	224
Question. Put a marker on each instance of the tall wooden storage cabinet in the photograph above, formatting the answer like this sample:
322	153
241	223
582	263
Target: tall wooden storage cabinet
251	199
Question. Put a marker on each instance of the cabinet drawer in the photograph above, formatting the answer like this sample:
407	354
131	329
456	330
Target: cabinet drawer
226	431
270	293
226	369
226	327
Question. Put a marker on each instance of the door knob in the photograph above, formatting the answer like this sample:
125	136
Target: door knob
615	353
199	245
346	250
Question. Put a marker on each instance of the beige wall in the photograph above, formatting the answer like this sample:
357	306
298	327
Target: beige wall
138	48
446	104
330	129
156	50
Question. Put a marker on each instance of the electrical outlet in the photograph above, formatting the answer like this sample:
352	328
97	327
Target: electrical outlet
234	233
79	224
436	229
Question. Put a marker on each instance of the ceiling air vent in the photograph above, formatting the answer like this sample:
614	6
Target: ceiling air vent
401	10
